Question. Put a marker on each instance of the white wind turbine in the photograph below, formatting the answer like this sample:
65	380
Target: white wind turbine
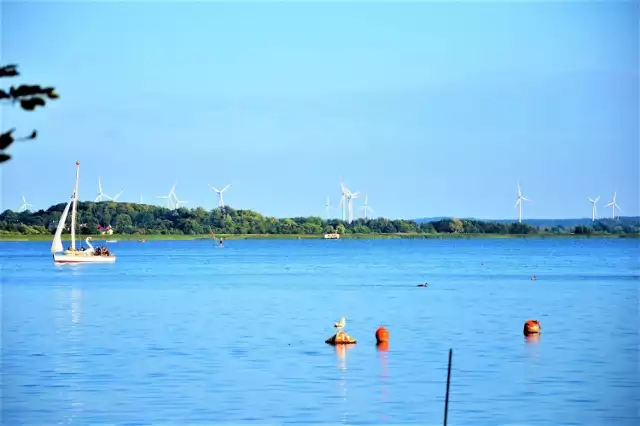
347	197
519	201
168	197
220	192
343	200
366	206
101	195
176	200
614	206
593	208
328	207
25	206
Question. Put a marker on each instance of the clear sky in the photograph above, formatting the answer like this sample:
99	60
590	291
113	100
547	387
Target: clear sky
430	108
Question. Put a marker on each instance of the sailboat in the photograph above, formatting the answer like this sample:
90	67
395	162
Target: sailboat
71	255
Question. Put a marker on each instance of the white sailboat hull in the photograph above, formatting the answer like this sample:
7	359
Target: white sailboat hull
82	257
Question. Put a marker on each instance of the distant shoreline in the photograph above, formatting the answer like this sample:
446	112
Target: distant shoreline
98	239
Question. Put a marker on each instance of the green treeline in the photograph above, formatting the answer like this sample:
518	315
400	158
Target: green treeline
131	218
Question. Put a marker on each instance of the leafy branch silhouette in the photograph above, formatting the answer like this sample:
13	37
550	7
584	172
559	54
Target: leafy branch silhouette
29	97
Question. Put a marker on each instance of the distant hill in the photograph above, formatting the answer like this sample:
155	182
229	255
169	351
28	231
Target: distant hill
546	223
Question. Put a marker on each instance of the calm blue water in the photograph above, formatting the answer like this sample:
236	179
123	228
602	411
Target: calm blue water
188	333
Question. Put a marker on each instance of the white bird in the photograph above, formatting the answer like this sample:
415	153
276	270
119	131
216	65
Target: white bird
340	324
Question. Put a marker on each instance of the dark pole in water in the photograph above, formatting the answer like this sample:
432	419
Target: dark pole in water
446	398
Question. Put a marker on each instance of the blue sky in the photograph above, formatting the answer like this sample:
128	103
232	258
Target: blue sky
432	109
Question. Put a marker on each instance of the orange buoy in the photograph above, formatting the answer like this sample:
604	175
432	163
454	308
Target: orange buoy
382	335
532	327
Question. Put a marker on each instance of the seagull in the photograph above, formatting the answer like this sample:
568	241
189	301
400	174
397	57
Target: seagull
340	324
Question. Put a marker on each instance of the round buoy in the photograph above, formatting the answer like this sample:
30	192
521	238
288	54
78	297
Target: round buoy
532	327
382	334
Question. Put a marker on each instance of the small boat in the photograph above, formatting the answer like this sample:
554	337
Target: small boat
110	241
71	255
333	236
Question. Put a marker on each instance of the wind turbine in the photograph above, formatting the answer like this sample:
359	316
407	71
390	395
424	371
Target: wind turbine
614	206
25	206
176	201
343	200
168	197
327	207
219	192
366	206
101	194
347	197
519	201
593	208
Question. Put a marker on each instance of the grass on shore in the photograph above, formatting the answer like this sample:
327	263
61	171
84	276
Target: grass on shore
158	237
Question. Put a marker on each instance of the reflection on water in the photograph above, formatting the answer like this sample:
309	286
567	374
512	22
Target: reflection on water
67	357
341	351
383	356
76	295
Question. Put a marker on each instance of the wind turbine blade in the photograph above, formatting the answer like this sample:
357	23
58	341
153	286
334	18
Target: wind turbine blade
519	192
225	188
516	204
611	203
591	200
597	198
212	188
526	199
615	206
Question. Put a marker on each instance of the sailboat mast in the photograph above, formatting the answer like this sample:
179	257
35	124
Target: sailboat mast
75	204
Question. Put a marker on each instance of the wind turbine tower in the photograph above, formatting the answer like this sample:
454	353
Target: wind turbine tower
593	208
519	201
220	192
614	206
327	207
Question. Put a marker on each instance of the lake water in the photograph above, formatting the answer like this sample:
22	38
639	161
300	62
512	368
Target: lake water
184	332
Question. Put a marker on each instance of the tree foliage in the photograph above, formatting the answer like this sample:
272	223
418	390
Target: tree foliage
131	218
29	97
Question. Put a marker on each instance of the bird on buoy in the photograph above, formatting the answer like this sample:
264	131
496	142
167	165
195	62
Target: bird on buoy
340	324
426	284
